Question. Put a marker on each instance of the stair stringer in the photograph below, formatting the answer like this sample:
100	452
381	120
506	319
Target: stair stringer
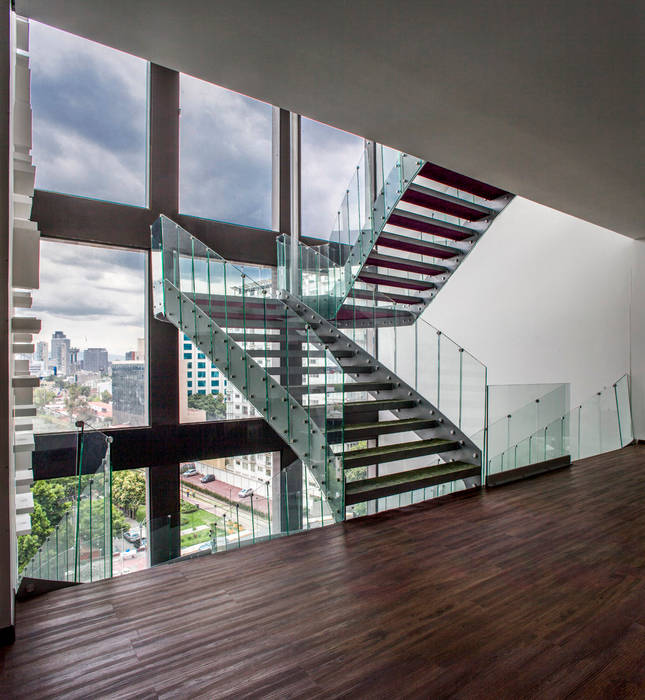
288	418
469	452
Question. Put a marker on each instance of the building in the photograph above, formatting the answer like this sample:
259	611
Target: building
484	103
96	360
60	353
42	354
128	393
131	355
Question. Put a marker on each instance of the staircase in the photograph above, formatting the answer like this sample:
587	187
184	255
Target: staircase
326	396
396	249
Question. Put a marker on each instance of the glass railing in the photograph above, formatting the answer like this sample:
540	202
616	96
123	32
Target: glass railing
517	425
601	424
327	272
445	374
271	355
290	502
78	546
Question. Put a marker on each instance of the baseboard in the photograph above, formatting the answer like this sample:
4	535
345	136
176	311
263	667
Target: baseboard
527	472
7	635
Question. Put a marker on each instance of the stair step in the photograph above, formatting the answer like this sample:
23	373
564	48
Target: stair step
393	453
428	224
348	388
365	431
352	314
260	352
417	245
375	296
392	484
353	407
394	281
461	182
354	369
393	262
447	204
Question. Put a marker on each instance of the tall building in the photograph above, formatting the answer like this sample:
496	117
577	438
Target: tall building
131	355
128	393
60	358
95	360
42	354
140	353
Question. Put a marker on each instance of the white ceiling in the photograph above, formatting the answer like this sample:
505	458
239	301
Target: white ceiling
544	99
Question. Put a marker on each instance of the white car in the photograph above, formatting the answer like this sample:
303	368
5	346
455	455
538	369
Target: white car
244	493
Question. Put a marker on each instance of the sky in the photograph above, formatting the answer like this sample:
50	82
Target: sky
89	138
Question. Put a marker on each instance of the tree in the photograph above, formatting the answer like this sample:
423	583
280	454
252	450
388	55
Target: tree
76	402
106	397
43	396
40	529
52	498
128	490
213	404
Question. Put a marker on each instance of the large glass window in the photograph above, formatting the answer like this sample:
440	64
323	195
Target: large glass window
92	305
89	117
225	155
329	157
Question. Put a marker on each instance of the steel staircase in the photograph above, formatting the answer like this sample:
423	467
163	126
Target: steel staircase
319	390
395	250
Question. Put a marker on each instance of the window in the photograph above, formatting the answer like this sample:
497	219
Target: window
92	305
201	375
201	383
188	346
189	365
225	155
89	117
187	356
201	365
189	374
189	383
329	159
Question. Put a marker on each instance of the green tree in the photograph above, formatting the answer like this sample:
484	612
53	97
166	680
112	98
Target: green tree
106	397
43	396
213	404
40	529
52	498
76	402
128	490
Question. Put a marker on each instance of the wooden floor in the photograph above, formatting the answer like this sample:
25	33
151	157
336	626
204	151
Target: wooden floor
536	589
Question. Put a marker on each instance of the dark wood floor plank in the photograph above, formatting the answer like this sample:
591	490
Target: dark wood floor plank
533	589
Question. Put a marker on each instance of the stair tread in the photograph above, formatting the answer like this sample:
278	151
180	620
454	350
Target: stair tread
460	182
390	261
429	224
403	423
399	241
409	477
400	448
423	196
395	280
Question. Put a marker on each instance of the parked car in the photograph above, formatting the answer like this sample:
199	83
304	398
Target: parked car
133	537
206	478
244	493
190	472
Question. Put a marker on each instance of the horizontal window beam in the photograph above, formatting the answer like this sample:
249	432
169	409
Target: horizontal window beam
159	446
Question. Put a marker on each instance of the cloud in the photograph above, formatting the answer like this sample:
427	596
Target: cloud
329	160
89	117
96	296
225	156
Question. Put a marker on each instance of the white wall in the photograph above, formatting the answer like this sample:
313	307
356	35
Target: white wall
637	331
544	297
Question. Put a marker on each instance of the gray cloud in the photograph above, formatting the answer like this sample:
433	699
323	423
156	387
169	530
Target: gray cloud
89	126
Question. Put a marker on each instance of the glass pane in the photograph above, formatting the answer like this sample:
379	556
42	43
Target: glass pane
89	117
328	162
225	155
90	353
